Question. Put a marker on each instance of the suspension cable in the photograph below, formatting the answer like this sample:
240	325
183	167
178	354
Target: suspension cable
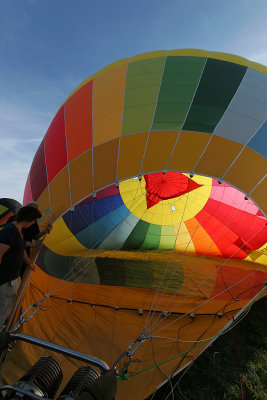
205	280
60	285
225	330
200	261
212	298
149	317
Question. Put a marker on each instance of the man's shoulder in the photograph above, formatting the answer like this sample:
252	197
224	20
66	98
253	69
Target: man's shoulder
8	231
8	228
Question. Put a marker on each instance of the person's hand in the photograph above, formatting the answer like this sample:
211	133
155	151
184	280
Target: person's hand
49	228
32	267
36	243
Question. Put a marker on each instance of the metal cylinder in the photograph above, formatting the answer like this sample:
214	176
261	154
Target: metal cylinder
80	381
43	378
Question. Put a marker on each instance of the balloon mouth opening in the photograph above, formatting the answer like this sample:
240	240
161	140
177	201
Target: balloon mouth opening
157	218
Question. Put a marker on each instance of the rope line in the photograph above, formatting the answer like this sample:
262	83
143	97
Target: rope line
197	265
83	269
78	274
178	262
188	110
149	317
218	294
227	329
202	258
163	362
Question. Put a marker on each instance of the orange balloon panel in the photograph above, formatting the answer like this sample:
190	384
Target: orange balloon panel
94	325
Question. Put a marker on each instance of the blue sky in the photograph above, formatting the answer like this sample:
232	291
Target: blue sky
48	47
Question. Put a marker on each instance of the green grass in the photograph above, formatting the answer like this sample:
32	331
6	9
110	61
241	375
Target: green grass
214	375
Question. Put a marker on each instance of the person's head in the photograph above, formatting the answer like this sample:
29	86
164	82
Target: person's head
32	204
27	215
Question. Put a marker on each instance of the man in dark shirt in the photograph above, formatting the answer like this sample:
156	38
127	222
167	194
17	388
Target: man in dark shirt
12	256
32	234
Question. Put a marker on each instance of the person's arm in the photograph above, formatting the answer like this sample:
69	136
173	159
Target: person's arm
44	232
3	250
28	261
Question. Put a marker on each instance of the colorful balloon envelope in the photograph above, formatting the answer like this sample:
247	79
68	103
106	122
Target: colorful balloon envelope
153	173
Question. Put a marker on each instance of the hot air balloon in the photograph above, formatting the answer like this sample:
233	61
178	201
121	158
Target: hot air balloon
153	174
